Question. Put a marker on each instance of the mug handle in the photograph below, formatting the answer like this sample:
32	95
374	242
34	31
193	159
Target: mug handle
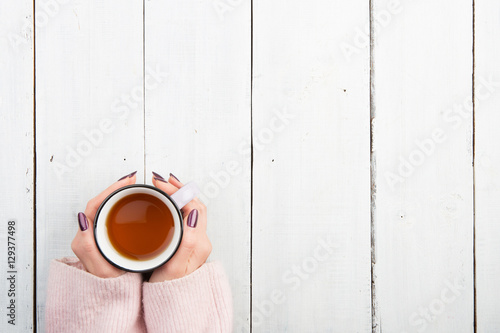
185	194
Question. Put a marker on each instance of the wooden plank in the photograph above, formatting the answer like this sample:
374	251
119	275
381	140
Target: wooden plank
89	116
423	214
487	159
198	121
16	146
311	173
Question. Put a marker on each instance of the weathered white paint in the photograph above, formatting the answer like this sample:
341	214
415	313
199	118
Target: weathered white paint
89	56
198	121
424	206
16	156
486	162
311	174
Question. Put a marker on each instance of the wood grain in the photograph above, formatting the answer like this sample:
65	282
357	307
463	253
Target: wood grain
423	212
198	122
487	159
16	147
89	79
311	173
285	167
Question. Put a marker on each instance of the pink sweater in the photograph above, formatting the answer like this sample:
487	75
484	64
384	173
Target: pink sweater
78	301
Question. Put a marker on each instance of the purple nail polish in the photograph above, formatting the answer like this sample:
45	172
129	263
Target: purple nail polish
82	221
128	176
160	180
122	178
192	218
157	175
171	175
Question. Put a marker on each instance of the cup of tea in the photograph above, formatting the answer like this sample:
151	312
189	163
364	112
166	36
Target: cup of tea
138	228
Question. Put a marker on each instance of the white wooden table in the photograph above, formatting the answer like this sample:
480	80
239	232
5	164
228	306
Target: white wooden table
348	151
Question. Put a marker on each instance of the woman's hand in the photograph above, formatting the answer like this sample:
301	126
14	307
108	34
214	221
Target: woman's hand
83	244
195	246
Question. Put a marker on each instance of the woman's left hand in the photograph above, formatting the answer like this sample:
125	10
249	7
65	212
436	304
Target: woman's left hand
195	246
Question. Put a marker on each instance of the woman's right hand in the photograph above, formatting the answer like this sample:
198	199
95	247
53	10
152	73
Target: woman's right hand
84	245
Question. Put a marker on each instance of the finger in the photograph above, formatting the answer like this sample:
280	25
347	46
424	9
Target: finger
85	233
86	250
190	240
164	185
171	180
175	181
83	244
94	203
171	189
201	217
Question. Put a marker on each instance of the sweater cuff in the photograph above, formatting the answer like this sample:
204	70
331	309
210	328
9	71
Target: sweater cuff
78	301
198	302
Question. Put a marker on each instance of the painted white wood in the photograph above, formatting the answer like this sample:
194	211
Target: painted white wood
424	182
16	160
311	173
89	56
487	159
198	121
311	148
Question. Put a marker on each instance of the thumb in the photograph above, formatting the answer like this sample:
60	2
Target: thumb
189	240
86	232
85	225
83	244
85	235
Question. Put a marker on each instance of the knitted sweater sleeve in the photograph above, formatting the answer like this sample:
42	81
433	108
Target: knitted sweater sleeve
78	301
198	302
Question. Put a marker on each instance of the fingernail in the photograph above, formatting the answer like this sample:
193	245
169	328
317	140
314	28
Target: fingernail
157	175
171	175
192	218
160	180
82	221
128	176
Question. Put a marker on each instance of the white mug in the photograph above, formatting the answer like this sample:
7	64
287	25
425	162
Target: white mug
174	203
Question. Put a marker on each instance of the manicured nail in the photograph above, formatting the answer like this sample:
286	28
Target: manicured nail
82	221
160	180
192	218
171	175
128	176
157	175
